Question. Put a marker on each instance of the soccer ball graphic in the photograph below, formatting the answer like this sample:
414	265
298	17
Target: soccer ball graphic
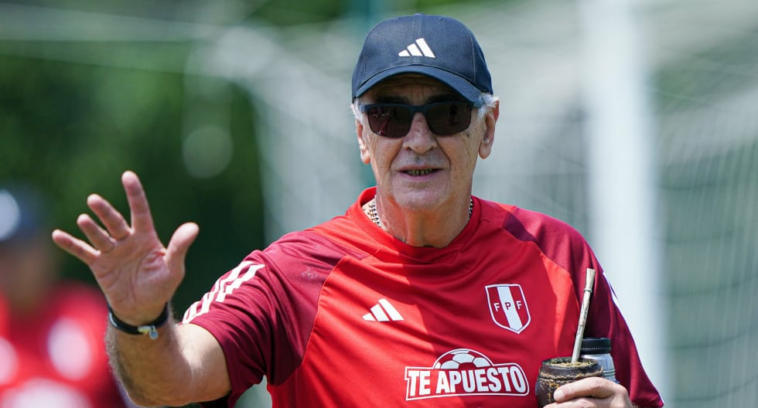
461	359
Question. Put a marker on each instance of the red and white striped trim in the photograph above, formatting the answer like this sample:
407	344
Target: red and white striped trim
223	287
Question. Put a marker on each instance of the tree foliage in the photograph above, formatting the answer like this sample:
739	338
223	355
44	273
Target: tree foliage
71	130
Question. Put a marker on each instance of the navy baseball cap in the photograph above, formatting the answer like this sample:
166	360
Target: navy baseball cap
437	46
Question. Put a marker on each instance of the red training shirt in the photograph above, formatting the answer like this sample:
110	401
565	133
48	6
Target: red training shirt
346	315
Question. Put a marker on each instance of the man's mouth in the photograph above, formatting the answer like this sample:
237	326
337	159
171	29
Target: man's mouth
419	172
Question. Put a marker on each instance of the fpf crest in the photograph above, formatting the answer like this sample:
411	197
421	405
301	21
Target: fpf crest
508	306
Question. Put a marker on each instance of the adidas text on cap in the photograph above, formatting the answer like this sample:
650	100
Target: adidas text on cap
436	46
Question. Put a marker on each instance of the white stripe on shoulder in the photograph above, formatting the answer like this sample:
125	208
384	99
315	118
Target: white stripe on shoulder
222	288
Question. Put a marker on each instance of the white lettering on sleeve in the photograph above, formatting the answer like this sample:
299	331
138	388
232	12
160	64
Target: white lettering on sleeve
222	288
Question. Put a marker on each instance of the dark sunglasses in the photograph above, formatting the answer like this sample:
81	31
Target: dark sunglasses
394	119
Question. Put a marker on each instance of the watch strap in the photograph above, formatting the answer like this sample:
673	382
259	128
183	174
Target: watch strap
151	329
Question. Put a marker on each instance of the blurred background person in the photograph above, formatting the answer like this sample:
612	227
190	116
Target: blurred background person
51	331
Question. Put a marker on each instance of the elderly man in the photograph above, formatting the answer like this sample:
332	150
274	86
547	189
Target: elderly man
420	295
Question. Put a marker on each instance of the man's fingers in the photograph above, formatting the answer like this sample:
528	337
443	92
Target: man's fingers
112	219
594	391
75	247
96	235
589	387
180	242
142	220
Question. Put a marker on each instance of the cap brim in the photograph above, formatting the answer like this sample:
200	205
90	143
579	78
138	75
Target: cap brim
460	85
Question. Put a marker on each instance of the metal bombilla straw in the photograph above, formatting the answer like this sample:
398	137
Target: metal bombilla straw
589	284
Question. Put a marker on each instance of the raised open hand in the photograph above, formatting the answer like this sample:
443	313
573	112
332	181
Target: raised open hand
137	274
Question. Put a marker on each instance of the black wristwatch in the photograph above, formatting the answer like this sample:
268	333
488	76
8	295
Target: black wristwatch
150	329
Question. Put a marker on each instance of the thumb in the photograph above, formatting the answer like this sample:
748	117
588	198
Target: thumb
180	242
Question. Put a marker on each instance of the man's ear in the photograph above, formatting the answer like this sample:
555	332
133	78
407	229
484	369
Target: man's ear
485	147
362	142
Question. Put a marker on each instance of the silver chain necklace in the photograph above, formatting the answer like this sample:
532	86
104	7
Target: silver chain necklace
375	217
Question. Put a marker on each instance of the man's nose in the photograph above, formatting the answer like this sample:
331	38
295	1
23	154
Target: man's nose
420	138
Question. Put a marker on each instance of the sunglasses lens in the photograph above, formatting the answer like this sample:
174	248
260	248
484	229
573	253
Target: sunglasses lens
448	118
443	118
390	121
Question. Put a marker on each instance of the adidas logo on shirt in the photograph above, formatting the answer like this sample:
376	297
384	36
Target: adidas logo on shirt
383	312
417	49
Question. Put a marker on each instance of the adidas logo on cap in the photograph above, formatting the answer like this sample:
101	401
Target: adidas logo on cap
417	49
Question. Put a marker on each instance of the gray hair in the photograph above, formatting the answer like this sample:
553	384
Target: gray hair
489	102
